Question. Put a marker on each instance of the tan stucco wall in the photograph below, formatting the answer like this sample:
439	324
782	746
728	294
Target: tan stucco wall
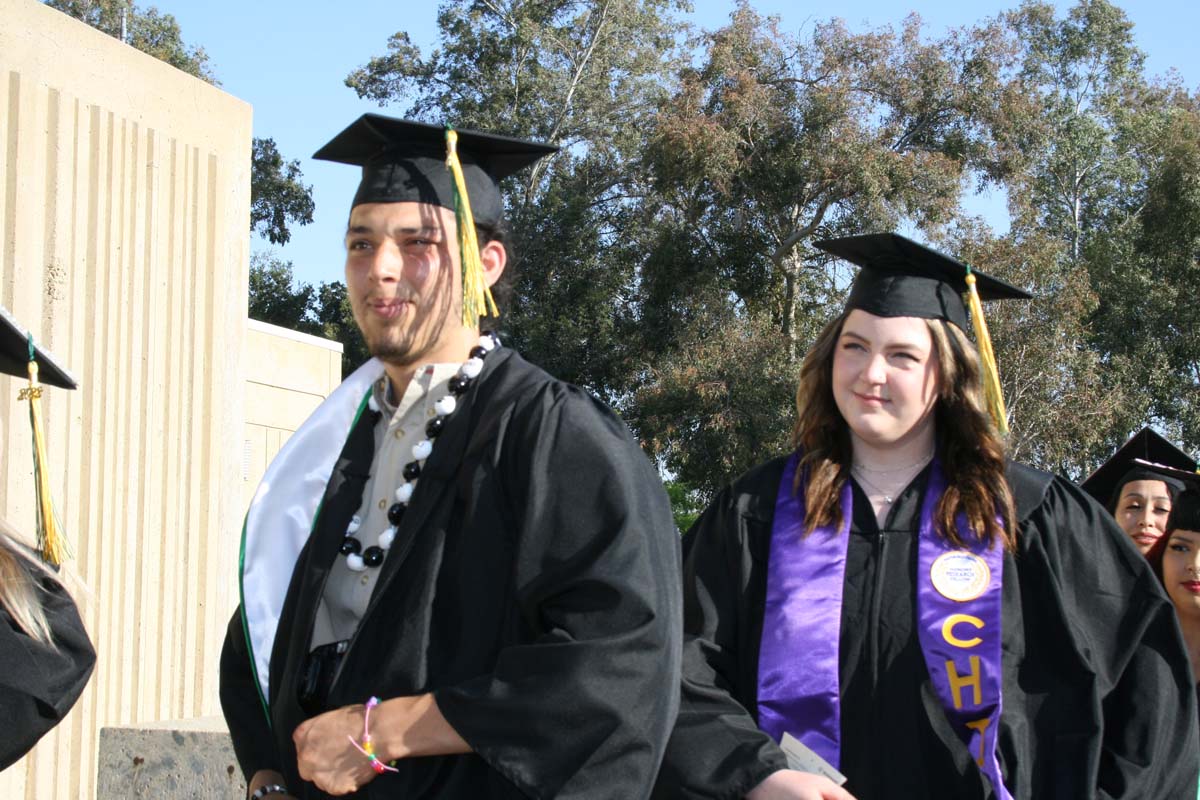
124	213
287	375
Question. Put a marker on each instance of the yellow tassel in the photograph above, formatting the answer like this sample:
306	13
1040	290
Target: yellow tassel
992	391
50	538
477	296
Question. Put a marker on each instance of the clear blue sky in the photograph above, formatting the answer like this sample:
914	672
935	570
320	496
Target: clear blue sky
289	60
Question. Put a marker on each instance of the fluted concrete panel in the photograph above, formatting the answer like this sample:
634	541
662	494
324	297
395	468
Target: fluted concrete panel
124	205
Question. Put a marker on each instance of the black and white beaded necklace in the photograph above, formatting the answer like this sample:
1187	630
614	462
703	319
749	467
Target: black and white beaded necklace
358	559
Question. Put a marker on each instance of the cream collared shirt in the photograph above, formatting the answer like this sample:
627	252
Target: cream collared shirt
401	426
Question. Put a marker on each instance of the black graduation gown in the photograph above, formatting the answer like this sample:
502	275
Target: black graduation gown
39	683
1097	695
533	587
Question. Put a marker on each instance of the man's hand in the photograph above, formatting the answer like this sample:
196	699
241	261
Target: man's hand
325	756
401	727
788	784
266	777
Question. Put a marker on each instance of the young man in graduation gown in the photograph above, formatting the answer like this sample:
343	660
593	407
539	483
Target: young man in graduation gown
481	547
1031	655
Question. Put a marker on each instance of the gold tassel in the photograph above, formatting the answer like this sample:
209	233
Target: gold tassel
51	543
993	393
477	296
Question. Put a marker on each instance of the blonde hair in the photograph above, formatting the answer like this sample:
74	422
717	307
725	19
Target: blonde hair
969	447
20	587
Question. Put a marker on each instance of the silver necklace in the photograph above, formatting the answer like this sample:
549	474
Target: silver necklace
920	462
889	497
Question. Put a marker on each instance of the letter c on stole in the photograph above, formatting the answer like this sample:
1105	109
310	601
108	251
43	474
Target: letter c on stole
948	630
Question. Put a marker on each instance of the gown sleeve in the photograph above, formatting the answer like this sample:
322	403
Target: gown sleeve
39	683
582	706
717	749
1126	633
241	702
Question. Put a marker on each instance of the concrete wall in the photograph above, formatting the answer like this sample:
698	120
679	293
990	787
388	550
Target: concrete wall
287	375
124	208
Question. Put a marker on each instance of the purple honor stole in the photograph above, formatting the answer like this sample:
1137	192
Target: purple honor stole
798	686
959	623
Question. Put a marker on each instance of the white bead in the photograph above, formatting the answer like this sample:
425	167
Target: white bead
372	403
404	492
445	406
487	342
386	538
471	367
422	449
354	562
355	524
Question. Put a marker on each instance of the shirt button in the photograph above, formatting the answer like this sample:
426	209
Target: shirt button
430	412
399	433
364	580
382	504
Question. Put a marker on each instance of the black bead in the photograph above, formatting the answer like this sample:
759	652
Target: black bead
395	514
434	427
478	352
373	556
412	471
350	546
459	384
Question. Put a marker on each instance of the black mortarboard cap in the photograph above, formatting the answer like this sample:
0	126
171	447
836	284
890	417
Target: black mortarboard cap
1105	483
14	355
406	161
901	278
1185	505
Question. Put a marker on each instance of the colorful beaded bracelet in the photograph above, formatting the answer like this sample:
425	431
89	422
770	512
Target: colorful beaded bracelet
367	748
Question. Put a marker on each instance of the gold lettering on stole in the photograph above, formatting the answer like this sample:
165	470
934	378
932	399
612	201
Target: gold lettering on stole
955	619
972	679
980	725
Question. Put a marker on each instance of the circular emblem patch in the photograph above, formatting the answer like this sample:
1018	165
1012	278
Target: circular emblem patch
960	575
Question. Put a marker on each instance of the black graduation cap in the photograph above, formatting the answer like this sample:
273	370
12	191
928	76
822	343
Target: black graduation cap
901	278
403	161
14	355
1145	446
1188	479
1185	506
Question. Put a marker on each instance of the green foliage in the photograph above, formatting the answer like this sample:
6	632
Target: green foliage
1104	174
720	405
277	195
275	298
686	504
573	73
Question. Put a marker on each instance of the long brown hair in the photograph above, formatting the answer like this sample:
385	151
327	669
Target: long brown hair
968	445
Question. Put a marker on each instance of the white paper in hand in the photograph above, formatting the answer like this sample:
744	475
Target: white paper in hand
803	759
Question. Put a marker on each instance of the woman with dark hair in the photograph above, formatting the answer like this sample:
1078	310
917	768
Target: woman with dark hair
1139	497
1176	559
898	603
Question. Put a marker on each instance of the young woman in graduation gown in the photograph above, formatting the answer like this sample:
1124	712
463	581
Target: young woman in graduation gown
931	620
45	656
1136	493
